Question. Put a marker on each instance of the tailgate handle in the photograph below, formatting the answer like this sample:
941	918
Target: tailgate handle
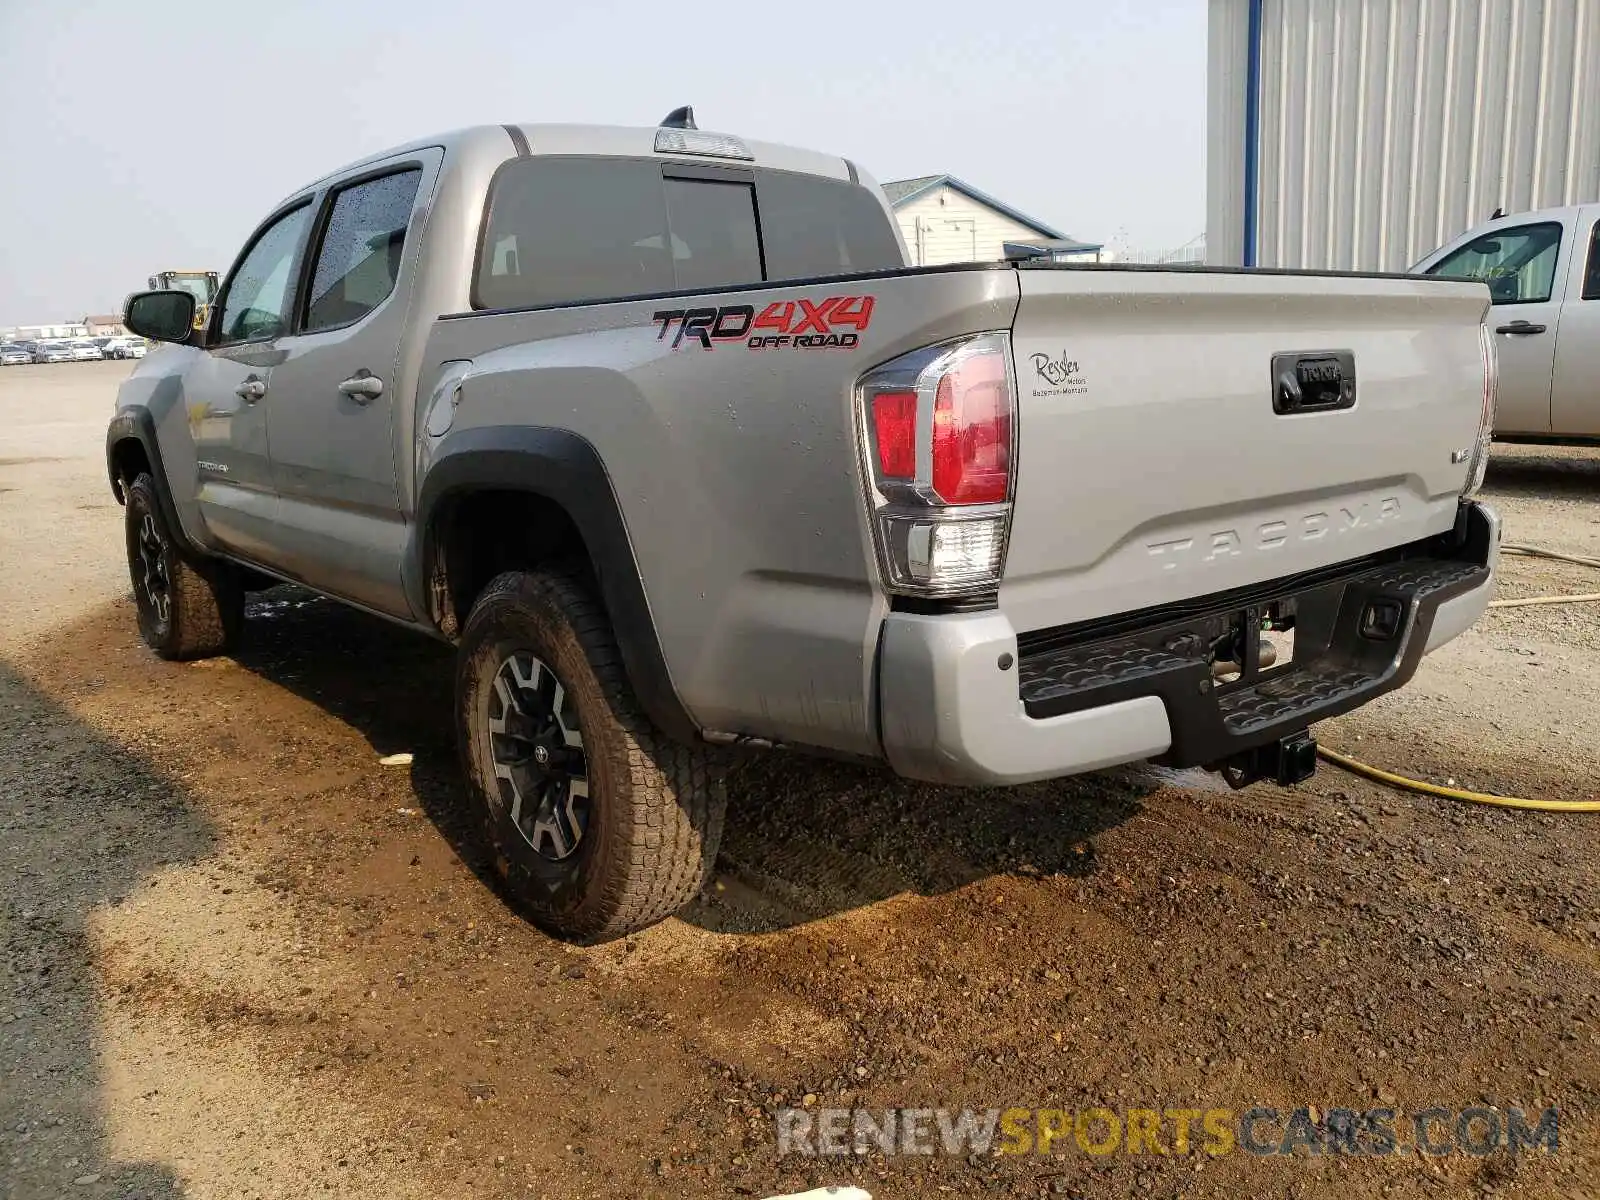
1313	381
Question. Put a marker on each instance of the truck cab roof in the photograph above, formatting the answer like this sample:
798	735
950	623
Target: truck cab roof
605	141
1566	212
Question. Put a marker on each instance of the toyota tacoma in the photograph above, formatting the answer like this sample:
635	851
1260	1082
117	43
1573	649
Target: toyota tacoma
658	428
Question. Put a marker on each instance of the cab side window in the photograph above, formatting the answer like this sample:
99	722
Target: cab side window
256	307
1591	276
1518	264
358	261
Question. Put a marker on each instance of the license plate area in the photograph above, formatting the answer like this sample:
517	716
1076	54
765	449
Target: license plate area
1257	642
1359	629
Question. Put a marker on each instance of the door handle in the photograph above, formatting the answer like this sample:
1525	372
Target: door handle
1520	327
362	387
251	390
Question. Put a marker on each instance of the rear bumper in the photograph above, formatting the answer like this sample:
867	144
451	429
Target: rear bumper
965	700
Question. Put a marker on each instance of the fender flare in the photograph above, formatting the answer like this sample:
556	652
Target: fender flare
567	470
136	424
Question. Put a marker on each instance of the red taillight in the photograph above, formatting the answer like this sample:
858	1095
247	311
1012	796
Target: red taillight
894	428
972	432
1478	462
936	426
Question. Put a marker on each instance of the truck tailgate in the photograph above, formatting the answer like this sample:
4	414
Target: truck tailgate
1153	465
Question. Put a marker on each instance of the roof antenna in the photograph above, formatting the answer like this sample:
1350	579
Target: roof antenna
1498	213
680	118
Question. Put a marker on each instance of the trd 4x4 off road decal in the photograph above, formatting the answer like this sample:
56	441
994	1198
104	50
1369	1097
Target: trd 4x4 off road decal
800	324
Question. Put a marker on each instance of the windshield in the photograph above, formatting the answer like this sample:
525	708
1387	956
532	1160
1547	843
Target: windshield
197	286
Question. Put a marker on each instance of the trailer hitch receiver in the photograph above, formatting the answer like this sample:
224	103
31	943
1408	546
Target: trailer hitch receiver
1287	761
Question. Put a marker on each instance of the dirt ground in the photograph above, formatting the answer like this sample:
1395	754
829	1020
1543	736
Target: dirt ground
244	959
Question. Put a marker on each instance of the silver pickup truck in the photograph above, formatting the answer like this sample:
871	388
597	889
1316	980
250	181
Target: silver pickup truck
1543	273
660	430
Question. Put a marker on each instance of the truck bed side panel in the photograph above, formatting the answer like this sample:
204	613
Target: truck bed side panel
738	475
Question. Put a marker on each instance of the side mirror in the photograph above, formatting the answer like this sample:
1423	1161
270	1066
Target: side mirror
160	316
1503	289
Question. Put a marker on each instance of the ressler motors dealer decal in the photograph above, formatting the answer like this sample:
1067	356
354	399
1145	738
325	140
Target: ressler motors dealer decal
781	325
1061	376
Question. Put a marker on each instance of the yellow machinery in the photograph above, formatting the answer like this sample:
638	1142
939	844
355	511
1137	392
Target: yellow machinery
202	285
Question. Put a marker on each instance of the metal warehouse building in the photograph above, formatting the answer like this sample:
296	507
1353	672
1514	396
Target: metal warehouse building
1361	134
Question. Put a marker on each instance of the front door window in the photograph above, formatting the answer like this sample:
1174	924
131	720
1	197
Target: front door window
256	307
1518	264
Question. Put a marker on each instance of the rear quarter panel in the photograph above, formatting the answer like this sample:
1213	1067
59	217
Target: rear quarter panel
737	473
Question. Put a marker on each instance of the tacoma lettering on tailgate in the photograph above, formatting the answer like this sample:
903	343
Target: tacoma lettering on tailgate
1273	535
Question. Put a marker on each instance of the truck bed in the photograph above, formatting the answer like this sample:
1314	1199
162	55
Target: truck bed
1151	467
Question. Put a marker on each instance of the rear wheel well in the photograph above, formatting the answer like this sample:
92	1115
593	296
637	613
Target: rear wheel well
129	460
478	535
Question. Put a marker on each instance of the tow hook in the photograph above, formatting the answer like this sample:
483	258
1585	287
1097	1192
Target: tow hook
1288	761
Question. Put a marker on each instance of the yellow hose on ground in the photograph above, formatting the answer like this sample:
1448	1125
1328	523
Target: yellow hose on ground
1450	793
1540	552
1587	598
1433	789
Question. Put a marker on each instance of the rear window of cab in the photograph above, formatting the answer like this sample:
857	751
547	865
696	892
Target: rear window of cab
560	231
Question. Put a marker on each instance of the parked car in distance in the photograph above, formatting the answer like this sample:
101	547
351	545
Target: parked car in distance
1543	272
52	352
124	347
660	429
85	352
12	355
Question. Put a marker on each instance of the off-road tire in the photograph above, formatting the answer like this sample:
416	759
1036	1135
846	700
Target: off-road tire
655	805
203	607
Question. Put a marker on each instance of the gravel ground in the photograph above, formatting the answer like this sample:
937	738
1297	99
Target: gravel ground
243	959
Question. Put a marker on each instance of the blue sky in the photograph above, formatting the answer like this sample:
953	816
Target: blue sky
143	136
